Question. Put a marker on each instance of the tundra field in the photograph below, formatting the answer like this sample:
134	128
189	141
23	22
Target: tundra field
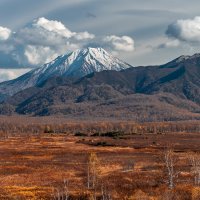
54	158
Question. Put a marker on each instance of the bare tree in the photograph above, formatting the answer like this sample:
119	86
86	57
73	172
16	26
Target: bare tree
92	170
93	173
63	192
106	195
169	162
195	167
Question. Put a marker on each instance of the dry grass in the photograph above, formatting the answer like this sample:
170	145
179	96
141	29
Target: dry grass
131	166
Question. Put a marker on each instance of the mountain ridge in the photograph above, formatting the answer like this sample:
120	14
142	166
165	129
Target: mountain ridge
75	64
153	93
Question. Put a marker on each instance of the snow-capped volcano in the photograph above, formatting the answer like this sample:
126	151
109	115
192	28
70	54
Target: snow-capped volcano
76	64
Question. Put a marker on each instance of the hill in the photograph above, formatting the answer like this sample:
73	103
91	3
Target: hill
153	93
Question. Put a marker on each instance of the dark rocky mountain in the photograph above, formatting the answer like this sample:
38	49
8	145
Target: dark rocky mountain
76	64
152	93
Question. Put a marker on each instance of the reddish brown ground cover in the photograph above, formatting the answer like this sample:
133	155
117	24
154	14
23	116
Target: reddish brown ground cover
130	166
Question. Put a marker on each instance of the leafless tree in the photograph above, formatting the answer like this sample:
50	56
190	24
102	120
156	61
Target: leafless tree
169	162
195	167
92	170
106	195
63	192
93	173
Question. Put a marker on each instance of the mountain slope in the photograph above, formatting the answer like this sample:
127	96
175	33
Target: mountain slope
76	64
166	92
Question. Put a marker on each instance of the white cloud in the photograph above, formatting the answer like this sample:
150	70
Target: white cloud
57	27
185	30
84	35
37	54
53	26
8	74
44	40
4	33
170	44
124	43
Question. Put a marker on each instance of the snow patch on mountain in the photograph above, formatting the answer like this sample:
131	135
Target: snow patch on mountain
76	64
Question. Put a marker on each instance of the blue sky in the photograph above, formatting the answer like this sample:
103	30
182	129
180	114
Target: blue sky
141	32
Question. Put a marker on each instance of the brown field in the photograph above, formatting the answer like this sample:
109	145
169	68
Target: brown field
130	165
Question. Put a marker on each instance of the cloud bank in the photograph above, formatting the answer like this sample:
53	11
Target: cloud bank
123	43
4	33
169	43
187	30
8	74
43	40
182	32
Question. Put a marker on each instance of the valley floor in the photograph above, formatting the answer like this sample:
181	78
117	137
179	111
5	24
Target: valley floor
47	166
